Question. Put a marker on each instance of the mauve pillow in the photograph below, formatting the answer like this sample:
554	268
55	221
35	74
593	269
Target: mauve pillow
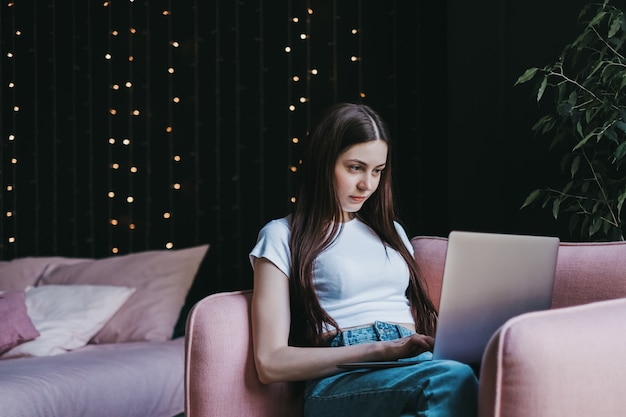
15	326
20	273
161	280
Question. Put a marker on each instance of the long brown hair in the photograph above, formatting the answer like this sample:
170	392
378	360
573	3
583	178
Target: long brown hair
316	218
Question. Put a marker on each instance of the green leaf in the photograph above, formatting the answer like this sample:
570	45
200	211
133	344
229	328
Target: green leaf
619	152
531	198
615	25
584	140
542	88
620	202
596	224
527	75
597	19
555	208
575	165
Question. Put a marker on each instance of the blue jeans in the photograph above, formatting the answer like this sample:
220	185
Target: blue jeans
431	388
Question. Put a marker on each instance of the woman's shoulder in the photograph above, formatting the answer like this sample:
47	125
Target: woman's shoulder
282	225
277	228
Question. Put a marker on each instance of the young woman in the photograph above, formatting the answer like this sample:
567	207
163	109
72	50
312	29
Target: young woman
336	282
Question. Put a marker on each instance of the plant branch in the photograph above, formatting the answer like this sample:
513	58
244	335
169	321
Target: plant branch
606	43
615	221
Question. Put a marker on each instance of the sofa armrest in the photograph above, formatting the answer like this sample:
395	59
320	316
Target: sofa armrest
562	362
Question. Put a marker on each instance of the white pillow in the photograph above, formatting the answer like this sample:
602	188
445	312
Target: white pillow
67	316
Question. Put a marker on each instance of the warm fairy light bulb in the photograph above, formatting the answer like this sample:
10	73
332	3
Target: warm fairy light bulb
295	140
114	33
293	168
11	85
295	20
175	44
177	158
295	78
293	199
170	70
18	33
176	186
176	100
116	86
12	239
9	55
105	4
354	31
126	142
303	100
9	188
287	49
115	166
113	112
114	222
362	95
115	250
166	12
131	58
107	56
309	10
128	84
11	137
14	160
354	58
169	129
292	108
130	199
133	30
303	36
169	245
133	170
167	215
131	226
16	108
9	213
111	194
314	71
135	112
111	141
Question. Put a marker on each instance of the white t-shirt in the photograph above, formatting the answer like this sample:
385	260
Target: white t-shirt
358	279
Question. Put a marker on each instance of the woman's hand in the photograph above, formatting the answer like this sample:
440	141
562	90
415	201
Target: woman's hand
409	346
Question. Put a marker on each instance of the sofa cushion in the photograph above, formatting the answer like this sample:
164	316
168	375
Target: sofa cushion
588	272
67	316
430	255
161	279
16	327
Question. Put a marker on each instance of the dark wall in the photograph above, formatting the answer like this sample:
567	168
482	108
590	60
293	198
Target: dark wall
212	141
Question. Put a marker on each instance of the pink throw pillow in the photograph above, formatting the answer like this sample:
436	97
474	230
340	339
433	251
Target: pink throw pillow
161	279
20	273
15	327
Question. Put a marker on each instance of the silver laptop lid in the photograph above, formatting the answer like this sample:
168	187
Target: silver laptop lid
488	279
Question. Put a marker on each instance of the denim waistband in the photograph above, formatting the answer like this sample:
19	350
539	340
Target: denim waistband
378	331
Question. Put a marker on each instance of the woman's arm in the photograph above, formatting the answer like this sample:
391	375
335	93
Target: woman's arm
277	361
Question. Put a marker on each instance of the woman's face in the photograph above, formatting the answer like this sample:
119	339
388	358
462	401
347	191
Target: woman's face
357	174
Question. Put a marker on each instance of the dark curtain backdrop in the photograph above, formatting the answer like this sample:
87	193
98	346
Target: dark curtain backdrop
138	125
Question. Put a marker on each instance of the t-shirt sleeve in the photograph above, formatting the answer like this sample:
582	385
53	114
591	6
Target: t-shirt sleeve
405	238
273	245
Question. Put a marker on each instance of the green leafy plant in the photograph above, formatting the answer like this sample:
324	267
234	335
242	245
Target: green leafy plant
588	123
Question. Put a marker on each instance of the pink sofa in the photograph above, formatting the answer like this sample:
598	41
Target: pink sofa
564	361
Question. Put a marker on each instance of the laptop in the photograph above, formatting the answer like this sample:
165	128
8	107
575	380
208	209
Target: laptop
489	278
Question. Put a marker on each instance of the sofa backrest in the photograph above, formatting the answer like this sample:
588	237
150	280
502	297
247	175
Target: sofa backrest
585	272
